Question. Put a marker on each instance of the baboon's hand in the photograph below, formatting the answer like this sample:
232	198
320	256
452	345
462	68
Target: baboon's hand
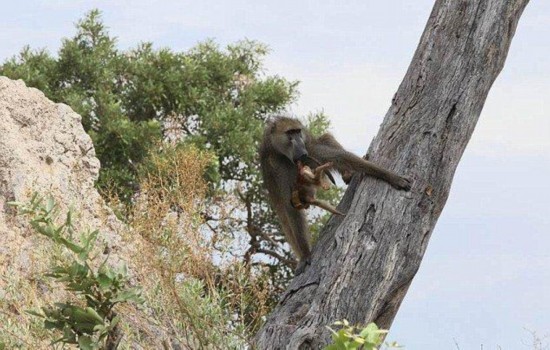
346	176
403	184
301	267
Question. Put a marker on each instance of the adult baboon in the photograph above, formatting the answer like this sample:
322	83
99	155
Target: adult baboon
286	142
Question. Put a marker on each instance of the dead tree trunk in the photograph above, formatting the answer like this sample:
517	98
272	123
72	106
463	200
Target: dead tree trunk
363	264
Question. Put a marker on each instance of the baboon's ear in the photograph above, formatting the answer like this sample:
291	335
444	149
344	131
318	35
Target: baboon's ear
271	125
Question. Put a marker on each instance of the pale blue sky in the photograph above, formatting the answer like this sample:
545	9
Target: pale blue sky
486	274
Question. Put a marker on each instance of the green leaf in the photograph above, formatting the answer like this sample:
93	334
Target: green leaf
53	324
50	204
104	281
94	315
86	343
370	333
71	245
133	294
115	321
35	313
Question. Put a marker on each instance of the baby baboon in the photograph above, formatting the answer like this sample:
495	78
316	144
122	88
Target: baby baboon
286	142
303	194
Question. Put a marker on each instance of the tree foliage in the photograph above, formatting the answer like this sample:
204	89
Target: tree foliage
128	100
135	102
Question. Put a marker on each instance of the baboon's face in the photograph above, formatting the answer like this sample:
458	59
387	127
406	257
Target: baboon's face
290	142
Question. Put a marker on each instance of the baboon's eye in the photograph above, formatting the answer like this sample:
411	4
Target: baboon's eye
293	131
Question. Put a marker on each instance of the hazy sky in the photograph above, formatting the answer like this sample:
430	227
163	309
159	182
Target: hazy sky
486	274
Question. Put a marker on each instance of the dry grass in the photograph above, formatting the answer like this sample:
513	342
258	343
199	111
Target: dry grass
193	298
209	303
167	212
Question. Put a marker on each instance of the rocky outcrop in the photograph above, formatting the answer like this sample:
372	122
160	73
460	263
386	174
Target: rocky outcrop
44	149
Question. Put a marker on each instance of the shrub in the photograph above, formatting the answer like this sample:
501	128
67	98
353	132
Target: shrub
350	337
90	321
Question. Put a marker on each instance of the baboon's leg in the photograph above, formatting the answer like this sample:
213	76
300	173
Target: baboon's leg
326	206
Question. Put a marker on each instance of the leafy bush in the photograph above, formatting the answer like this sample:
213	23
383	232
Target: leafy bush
91	321
350	337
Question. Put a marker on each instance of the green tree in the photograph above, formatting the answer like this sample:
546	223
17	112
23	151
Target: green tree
133	101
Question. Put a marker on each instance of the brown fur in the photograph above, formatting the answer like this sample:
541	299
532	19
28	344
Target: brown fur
306	187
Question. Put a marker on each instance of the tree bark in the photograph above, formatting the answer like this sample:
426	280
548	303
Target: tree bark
364	263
